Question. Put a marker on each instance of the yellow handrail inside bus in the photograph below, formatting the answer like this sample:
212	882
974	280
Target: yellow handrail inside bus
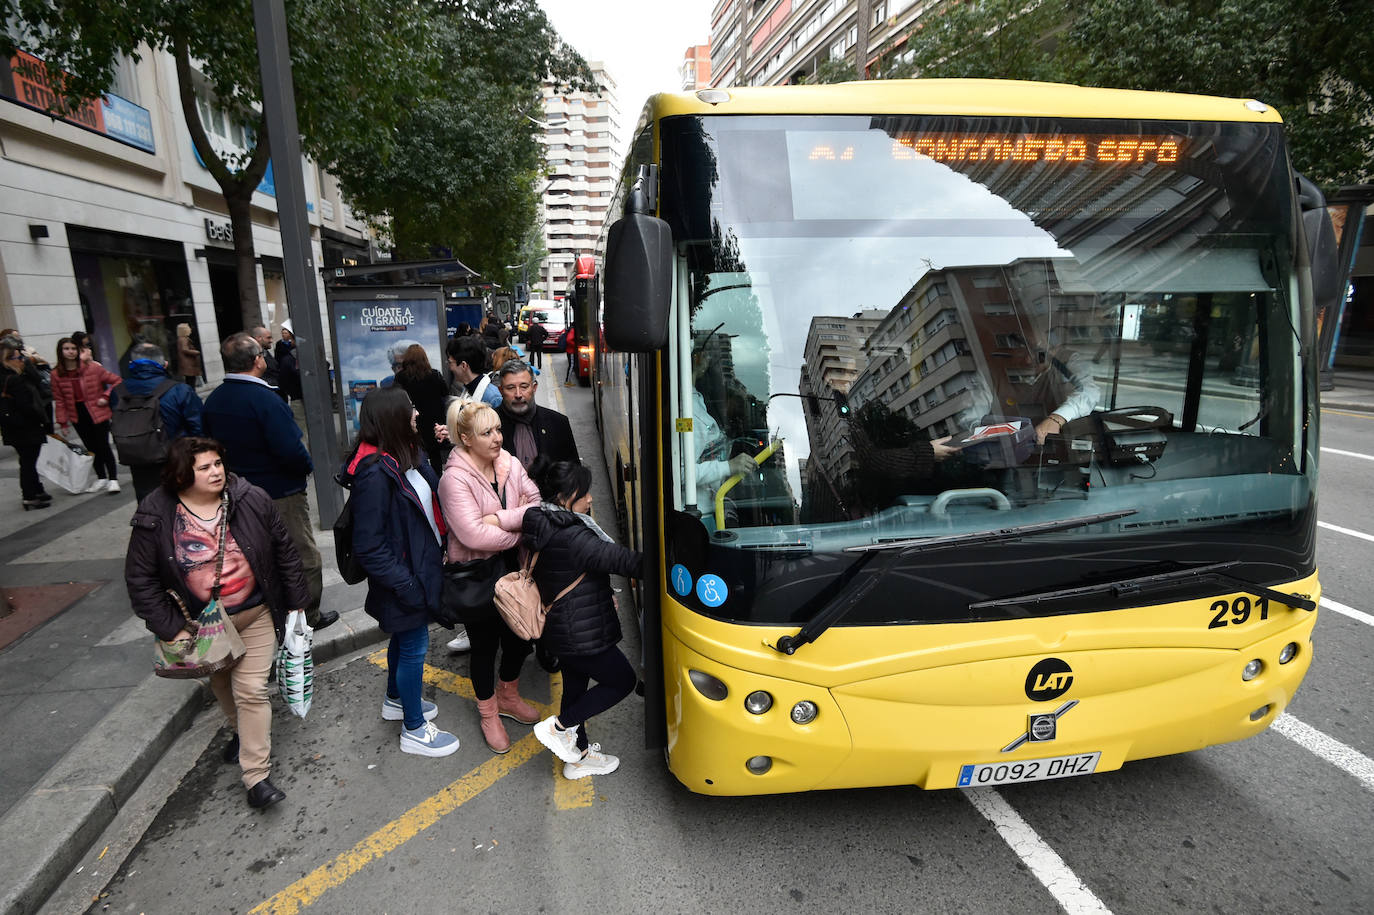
729	484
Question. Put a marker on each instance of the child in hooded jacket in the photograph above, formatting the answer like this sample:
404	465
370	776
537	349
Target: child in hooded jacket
582	628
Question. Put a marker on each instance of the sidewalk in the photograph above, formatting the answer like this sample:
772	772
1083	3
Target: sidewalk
84	719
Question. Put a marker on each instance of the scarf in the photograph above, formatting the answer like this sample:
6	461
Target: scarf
526	447
585	519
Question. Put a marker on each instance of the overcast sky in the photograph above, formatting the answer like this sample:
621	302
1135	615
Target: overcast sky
641	43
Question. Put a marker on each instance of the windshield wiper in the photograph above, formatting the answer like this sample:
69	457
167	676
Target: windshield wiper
839	601
923	544
1215	572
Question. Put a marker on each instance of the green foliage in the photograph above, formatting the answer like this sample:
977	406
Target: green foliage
1313	60
417	106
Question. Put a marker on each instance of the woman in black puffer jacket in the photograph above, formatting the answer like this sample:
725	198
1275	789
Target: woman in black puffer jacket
582	627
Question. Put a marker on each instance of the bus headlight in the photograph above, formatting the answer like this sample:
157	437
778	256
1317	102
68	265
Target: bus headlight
759	764
712	688
1288	652
804	712
1252	670
758	702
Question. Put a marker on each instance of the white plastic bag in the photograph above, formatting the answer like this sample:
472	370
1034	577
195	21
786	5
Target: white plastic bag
69	466
295	667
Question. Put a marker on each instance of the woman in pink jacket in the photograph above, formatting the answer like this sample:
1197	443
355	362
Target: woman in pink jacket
81	398
484	493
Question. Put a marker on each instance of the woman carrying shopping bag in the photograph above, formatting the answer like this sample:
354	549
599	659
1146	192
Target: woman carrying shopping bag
582	628
206	532
81	398
485	494
397	540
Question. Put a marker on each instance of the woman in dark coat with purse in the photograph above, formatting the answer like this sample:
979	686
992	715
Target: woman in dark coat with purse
25	418
582	628
398	529
176	547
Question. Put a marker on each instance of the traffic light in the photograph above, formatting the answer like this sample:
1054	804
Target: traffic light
522	293
842	404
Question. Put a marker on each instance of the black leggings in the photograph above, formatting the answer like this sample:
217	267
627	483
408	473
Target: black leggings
486	637
614	677
96	437
30	486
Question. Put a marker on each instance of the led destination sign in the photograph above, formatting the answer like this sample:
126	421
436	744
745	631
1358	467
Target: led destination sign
1117	150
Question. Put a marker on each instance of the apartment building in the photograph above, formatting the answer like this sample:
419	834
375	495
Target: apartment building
696	67
583	160
779	42
109	223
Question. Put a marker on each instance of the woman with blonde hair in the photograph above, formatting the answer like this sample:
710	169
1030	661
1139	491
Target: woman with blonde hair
188	357
484	493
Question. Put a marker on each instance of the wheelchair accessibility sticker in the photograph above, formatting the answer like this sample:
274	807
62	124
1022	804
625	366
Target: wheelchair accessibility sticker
682	580
712	590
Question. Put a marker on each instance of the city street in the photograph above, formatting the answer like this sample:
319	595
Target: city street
1280	823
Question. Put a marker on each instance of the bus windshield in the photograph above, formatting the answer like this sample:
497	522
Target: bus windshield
944	325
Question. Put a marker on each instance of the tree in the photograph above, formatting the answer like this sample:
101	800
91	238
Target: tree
464	170
1313	60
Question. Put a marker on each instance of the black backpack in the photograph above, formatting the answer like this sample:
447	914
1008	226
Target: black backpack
349	568
136	425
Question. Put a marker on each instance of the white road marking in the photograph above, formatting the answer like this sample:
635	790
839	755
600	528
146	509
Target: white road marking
1345	530
1357	615
1350	760
1354	454
1072	895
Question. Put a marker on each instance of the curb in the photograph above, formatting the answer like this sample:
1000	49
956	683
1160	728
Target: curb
48	832
1352	406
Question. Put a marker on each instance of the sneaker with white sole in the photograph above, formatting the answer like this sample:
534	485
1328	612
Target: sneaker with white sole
593	762
99	486
563	743
113	486
460	641
392	710
428	740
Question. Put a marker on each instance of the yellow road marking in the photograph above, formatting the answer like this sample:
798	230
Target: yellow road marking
307	890
1348	413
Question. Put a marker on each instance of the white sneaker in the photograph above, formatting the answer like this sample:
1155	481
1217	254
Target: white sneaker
460	642
562	743
593	762
392	710
113	486
99	486
428	740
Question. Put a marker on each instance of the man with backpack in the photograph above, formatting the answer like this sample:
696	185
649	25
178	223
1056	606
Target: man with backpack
149	410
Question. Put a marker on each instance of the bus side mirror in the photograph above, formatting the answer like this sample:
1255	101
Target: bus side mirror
1322	247
639	284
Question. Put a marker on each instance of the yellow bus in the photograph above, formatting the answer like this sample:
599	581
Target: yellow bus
969	428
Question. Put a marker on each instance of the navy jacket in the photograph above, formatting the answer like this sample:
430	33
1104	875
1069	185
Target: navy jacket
584	622
393	542
181	408
262	442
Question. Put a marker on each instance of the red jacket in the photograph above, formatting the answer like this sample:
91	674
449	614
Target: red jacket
94	382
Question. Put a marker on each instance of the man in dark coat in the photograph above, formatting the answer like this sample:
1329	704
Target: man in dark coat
270	374
535	338
179	406
262	444
528	429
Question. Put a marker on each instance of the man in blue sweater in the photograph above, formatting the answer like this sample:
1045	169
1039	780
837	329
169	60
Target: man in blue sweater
262	444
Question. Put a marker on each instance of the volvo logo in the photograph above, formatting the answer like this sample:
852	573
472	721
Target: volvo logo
1049	679
1041	727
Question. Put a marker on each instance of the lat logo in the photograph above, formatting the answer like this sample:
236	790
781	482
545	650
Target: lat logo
1048	679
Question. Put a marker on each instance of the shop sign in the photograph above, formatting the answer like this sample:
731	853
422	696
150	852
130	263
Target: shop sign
24	79
219	231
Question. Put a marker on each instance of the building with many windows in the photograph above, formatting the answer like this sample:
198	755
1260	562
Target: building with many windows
696	67
582	158
110	224
777	42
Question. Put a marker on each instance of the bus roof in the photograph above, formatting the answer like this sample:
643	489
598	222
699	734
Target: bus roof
961	96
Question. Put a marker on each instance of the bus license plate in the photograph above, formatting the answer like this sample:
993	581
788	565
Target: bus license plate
1027	770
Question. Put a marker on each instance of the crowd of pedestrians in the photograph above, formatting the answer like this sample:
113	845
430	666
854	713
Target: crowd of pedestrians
443	471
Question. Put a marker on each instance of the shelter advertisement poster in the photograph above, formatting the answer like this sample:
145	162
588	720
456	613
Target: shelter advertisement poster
372	330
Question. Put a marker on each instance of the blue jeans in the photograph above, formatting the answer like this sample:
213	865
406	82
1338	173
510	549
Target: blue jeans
405	672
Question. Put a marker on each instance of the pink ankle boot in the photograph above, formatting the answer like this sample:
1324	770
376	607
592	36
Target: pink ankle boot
510	705
493	731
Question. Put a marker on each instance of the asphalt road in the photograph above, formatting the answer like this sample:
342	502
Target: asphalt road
1279	823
